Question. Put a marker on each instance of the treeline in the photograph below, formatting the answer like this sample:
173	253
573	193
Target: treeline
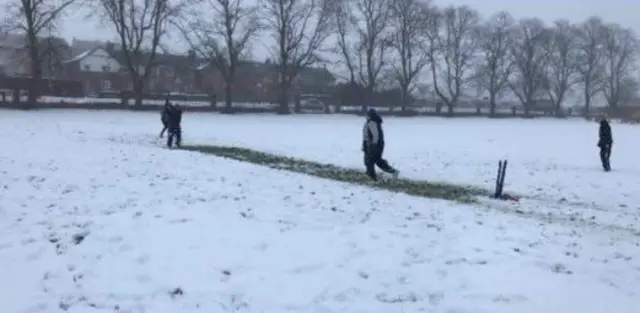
413	46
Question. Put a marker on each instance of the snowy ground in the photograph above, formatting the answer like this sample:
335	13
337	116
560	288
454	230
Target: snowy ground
552	161
94	215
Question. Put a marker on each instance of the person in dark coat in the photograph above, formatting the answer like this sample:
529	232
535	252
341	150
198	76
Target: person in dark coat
373	146
605	142
164	117
175	130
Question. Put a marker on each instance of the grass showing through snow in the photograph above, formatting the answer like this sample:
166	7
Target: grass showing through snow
427	189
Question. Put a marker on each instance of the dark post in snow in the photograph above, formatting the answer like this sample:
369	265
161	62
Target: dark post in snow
502	171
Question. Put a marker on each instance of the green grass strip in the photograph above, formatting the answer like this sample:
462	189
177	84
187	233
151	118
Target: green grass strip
412	187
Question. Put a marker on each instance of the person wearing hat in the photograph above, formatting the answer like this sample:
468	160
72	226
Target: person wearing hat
605	142
373	146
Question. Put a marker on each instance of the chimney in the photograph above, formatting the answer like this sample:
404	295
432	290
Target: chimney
191	55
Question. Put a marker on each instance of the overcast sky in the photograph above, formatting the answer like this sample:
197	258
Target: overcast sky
624	12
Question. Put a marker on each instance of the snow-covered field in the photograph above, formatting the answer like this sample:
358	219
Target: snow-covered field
554	161
96	215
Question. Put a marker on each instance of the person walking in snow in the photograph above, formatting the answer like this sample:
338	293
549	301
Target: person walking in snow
373	146
605	142
164	116
175	130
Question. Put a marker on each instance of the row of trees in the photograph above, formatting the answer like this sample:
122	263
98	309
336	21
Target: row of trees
412	45
497	57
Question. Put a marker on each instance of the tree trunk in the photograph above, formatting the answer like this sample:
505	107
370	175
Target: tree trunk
450	108
228	100
587	105
138	87
492	105
32	96
36	78
15	93
283	99
405	98
368	98
297	104
558	110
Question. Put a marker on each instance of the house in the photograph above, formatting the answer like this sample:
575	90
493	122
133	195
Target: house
315	80
258	81
102	66
171	72
11	59
97	70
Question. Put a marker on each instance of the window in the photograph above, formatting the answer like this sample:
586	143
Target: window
105	68
87	67
106	85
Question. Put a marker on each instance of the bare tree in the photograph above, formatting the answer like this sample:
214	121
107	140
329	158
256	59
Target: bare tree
561	60
344	22
299	29
140	25
453	41
37	20
408	18
222	38
529	56
373	41
590	35
620	54
628	90
495	40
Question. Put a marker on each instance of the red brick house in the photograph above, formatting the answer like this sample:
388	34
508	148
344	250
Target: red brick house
97	70
101	67
174	73
258	82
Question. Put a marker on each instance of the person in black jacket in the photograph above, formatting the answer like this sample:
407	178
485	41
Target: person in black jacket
164	116
175	118
373	146
605	142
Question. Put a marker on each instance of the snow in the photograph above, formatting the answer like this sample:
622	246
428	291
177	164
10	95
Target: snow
80	56
549	160
116	102
239	237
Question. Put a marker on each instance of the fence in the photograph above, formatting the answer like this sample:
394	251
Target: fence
205	106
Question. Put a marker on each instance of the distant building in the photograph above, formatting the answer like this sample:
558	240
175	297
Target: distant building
97	70
11	57
14	55
101	66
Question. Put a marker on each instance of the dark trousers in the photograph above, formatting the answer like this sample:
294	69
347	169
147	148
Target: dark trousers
174	132
373	157
605	154
165	123
164	128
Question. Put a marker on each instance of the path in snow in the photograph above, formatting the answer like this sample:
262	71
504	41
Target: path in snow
88	219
